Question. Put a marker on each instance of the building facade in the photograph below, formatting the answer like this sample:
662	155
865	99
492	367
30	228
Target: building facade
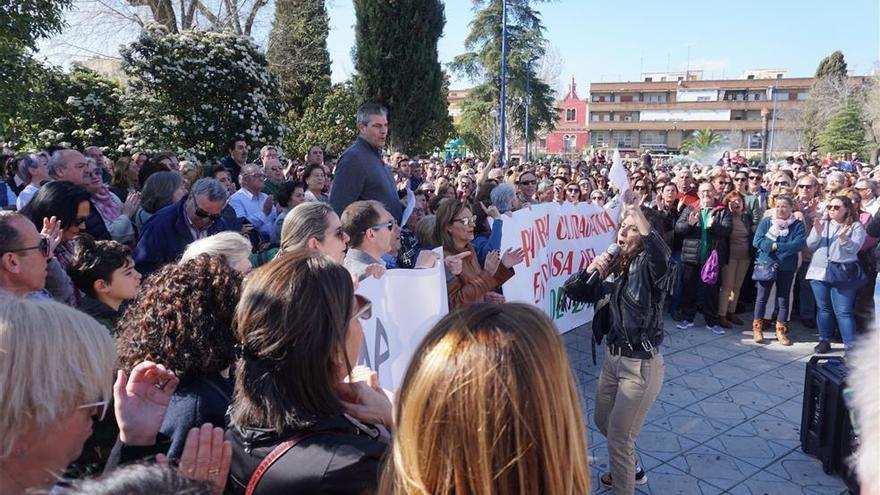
570	137
659	115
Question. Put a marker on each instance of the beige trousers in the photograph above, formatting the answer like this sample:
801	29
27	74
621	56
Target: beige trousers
732	276
627	388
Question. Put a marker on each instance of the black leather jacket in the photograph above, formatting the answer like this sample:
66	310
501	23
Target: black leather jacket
636	296
339	457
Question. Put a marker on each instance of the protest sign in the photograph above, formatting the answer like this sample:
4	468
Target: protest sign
406	304
557	240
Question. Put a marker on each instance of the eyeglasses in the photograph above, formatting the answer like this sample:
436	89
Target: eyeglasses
528	183
573	190
780	183
43	246
204	214
740	179
379	226
466	221
805	186
639	188
755	177
103	405
724	183
365	308
833	207
79	220
597	198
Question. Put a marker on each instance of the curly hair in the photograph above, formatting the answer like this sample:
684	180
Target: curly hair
182	318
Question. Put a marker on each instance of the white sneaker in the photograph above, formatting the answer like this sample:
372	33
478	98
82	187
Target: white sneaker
684	325
717	330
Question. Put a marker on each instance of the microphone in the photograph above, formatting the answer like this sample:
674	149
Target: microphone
613	251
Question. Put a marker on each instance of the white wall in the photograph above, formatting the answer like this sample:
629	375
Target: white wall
683	115
697	95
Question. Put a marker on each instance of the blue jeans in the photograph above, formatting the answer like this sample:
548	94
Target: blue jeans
806	301
835	302
783	288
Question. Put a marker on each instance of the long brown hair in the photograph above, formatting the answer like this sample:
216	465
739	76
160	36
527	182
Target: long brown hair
489	406
292	324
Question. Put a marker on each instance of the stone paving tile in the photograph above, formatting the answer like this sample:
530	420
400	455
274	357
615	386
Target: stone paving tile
726	371
805	471
752	362
757	451
790	410
688	361
764	483
661	443
770	427
724	409
747	394
669	480
714	467
695	426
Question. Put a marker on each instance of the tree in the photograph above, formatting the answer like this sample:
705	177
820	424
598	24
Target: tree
845	131
328	120
872	115
482	62
192	92
181	15
22	24
297	49
397	63
830	91
701	141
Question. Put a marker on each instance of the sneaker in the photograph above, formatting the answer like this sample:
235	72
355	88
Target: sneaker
823	347
641	478
684	325
716	329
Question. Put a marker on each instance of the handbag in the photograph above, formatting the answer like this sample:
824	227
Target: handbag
709	273
765	272
847	274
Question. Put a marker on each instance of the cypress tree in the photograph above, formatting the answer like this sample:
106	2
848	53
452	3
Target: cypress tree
297	50
397	66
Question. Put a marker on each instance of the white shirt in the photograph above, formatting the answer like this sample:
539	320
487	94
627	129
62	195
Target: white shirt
250	206
26	195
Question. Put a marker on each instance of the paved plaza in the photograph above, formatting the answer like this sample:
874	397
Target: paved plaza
727	419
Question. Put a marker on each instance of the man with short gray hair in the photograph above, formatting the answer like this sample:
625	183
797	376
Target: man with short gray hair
69	165
167	233
360	173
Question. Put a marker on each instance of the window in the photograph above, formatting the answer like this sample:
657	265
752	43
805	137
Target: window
594	117
570	114
626	98
778	76
606	117
663	79
649	79
598	139
750	76
542	143
792	96
704	98
627	118
681	78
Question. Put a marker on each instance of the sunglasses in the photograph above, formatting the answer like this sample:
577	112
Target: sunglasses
805	186
833	207
102	412
755	177
43	246
597	198
528	183
573	190
740	179
204	214
780	183
387	225
365	308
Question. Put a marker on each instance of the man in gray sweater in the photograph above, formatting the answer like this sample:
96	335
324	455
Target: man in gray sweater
360	173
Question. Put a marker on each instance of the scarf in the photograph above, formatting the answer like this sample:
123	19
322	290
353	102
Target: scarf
783	225
106	206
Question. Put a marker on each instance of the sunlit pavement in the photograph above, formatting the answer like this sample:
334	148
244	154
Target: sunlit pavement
727	419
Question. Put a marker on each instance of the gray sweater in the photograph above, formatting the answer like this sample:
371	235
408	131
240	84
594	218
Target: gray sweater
826	246
360	174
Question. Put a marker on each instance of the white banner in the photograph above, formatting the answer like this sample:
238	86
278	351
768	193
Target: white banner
558	240
406	304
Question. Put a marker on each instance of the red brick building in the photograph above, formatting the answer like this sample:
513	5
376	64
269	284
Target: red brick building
571	136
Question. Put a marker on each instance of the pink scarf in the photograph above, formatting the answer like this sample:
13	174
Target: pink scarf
106	206
784	224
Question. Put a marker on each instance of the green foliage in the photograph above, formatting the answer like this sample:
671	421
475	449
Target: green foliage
482	62
76	109
832	66
397	63
700	141
297	49
328	120
192	92
845	131
23	22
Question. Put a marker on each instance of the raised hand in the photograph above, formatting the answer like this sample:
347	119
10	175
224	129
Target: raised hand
132	203
426	259
454	263
52	232
693	217
491	211
140	401
494	297
267	206
601	264
493	260
844	233
375	270
512	257
206	456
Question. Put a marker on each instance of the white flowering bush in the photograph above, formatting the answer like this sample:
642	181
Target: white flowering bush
192	92
75	109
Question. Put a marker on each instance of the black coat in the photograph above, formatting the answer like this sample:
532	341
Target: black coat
339	457
719	233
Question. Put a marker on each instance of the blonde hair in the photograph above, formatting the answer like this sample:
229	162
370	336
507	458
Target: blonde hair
52	359
232	246
489	406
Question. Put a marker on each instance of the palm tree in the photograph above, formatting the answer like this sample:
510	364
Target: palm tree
700	141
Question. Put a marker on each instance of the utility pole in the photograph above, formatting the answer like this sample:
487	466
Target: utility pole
503	140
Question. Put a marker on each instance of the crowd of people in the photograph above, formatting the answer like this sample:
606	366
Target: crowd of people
168	326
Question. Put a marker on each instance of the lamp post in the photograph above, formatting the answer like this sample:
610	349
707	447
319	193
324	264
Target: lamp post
528	103
772	91
502	139
494	115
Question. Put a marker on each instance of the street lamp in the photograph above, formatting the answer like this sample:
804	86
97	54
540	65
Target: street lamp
494	114
502	139
528	102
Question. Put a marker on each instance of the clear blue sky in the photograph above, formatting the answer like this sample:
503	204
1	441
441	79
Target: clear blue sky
611	40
